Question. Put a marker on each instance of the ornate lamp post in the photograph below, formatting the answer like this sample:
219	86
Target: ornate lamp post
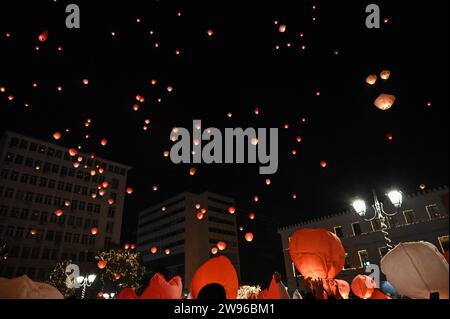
396	198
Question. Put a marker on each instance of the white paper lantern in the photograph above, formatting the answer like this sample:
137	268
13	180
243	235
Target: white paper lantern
416	270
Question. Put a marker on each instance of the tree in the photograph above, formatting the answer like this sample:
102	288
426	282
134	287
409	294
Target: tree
123	268
58	279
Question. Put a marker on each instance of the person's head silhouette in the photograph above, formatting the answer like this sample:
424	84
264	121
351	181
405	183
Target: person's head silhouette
212	291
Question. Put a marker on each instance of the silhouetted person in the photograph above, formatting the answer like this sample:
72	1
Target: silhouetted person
212	291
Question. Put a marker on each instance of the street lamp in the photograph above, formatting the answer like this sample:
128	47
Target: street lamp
85	282
396	198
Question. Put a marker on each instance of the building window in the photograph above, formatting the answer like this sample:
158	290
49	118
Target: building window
9	193
347	264
24	178
35	253
67	237
356	229
410	217
111	212
338	231
364	258
376	225
4	174
14	176
29	162
76	238
433	211
443	242
24	144
13	142
109	227
391	221
383	251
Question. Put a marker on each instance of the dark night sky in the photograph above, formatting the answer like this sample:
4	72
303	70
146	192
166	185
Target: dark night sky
236	70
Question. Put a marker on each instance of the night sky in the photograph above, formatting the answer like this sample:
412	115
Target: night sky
238	69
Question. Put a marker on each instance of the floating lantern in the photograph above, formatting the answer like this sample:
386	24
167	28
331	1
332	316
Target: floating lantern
371	79
221	245
249	237
363	286
94	230
101	264
385	74
59	212
232	210
43	36
384	102
153	250
57	136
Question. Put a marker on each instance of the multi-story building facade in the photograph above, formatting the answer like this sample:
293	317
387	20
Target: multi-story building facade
423	217
38	182
183	241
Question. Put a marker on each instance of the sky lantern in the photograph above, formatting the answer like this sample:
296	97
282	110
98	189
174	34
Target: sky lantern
76	164
67	203
111	201
102	264
85	81
298	139
241	228
254	141
203	210
422	186
57	136
231	210
153	250
126	246
389	136
130	191
73	152
117	276
104	142
344	288
197	206
282	28
169	88
423	270
371	79
43	36
256	198
251	216
94	230
214	250
317	253
200	216
59	212
249	237
33	232
323	164
222	245
105	184
167	251
102	192
256	111
268	181
217	270
294	196
210	32
153	82
93	172
385	74
384	102
133	246
363	286
155	188
192	171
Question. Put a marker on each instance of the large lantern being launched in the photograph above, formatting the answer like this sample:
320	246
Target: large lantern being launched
218	270
384	102
363	286
317	253
423	270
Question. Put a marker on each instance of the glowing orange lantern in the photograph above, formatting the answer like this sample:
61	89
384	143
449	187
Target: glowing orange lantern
167	251
102	264
344	288
210	32
126	246
57	136
192	171
130	191
232	210
251	216
384	102
43	36
94	230
33	232
249	237
73	152
389	136
218	270
221	245
111	201
105	184
104	142
379	295
117	276
422	186
385	74
200	216
59	212
214	250
363	286
153	250
371	79
323	164
159	288
317	253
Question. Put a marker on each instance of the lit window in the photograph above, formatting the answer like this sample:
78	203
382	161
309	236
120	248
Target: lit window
364	258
